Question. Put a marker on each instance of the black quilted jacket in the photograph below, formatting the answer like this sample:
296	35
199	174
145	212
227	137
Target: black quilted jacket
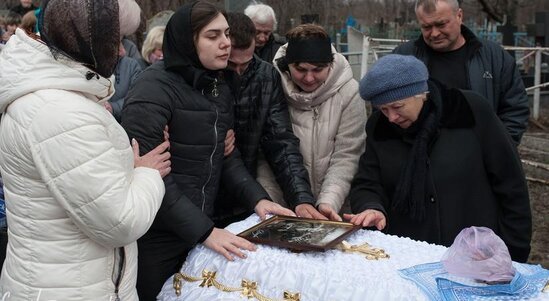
262	123
198	117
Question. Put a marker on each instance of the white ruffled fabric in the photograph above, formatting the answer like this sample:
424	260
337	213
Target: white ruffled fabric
317	276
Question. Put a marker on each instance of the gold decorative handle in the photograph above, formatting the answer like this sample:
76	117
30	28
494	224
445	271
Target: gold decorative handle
247	288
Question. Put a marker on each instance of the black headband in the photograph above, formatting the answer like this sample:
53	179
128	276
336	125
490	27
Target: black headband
311	50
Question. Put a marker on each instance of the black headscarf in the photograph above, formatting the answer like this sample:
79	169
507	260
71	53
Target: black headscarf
411	190
178	46
82	30
180	52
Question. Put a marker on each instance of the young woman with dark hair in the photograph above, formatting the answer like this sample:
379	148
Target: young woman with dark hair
187	92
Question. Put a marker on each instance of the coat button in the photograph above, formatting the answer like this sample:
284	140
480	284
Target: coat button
432	199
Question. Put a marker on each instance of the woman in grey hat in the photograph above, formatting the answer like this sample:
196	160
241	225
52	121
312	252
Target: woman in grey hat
437	160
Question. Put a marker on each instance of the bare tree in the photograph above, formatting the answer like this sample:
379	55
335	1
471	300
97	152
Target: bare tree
518	12
502	10
152	7
333	13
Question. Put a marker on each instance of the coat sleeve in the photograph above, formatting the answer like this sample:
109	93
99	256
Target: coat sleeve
241	185
366	188
147	111
349	144
281	149
127	77
504	170
513	109
407	48
88	168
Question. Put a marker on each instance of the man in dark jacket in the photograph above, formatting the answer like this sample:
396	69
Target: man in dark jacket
266	41
262	121
458	59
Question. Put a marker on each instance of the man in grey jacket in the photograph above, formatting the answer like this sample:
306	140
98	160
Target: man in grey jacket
458	59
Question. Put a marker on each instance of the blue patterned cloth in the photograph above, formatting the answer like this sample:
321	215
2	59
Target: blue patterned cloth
437	284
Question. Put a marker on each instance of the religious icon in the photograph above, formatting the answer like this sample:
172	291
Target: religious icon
299	234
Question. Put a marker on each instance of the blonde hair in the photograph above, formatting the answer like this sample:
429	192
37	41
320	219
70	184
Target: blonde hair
28	22
155	38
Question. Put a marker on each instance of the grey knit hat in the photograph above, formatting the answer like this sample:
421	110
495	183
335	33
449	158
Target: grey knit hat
394	77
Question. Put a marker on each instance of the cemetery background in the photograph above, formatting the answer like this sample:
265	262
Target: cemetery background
522	23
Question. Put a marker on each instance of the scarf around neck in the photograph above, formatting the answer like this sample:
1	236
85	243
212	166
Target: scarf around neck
410	193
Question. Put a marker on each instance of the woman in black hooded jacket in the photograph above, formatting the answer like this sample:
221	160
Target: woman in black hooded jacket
187	93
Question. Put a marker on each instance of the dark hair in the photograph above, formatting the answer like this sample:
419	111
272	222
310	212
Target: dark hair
283	65
307	31
304	32
202	14
13	19
242	30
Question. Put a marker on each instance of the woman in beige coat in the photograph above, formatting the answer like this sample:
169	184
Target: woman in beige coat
327	114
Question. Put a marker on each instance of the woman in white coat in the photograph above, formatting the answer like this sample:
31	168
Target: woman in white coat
327	114
77	196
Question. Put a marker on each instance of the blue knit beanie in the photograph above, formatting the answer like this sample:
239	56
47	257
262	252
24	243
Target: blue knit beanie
394	77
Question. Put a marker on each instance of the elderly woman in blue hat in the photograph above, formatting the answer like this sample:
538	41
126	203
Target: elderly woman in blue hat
437	160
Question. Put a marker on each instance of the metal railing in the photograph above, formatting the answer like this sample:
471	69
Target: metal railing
373	48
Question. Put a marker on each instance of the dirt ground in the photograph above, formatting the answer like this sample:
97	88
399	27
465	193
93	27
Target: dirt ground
539	200
539	192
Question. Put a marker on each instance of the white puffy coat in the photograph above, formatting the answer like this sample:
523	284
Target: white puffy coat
330	124
74	199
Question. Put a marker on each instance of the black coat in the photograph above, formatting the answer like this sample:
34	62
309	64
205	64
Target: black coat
196	104
262	121
268	51
475	176
198	124
19	9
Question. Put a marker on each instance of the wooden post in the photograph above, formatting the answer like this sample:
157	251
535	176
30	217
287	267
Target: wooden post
365	53
537	81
